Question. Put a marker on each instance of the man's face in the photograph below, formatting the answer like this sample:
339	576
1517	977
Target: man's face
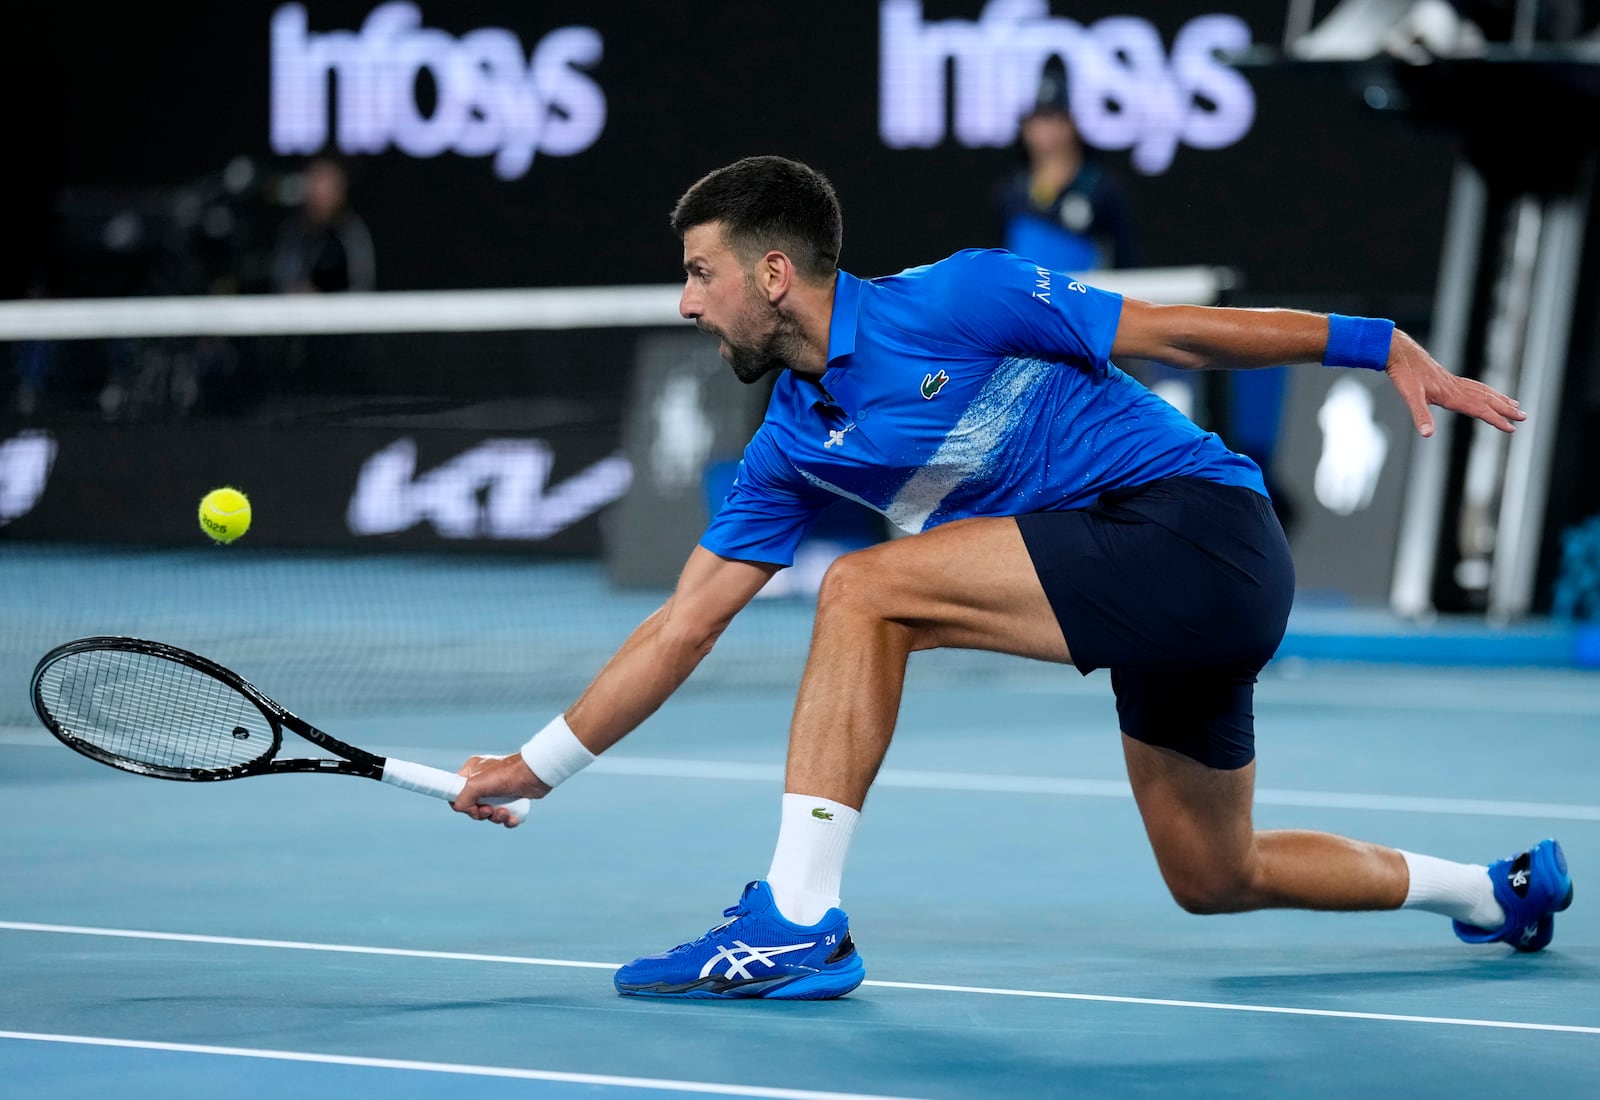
721	297
1049	133
325	192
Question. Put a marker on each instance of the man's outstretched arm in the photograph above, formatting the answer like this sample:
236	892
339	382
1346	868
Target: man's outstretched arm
655	660
1212	337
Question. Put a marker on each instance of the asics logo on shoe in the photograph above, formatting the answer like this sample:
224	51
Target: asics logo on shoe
1529	932
1521	873
741	955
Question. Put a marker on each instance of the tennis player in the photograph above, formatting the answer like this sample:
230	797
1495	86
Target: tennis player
1056	509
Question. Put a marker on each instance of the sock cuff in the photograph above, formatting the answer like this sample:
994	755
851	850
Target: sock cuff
1462	891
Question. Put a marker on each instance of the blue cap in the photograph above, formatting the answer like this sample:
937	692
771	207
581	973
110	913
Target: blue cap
1052	93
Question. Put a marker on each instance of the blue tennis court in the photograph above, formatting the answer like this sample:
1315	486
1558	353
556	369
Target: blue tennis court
312	936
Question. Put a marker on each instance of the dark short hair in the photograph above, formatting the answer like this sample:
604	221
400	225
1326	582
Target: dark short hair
769	202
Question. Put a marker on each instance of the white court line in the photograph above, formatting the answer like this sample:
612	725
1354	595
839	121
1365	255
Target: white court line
297	945
1440	698
663	1085
1103	998
1100	998
1098	788
723	770
1481	691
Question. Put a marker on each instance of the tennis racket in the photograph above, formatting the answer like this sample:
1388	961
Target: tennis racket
154	709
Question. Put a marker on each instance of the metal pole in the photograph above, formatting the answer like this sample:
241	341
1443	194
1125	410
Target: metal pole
1527	479
1411	592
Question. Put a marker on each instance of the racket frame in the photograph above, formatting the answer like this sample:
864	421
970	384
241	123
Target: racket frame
357	762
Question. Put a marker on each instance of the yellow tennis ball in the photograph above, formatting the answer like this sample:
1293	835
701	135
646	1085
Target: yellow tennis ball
224	514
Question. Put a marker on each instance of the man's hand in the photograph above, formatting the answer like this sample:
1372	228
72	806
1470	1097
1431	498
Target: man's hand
1421	382
496	777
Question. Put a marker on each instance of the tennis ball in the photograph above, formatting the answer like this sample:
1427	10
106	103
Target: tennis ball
224	514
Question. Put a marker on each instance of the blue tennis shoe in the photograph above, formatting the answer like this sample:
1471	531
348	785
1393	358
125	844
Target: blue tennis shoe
756	953
1531	888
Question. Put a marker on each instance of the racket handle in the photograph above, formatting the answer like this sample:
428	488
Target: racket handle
442	784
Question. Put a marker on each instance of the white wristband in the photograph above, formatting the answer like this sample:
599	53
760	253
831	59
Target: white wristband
555	754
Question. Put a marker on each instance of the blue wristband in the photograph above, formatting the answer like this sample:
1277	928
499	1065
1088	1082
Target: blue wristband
1357	342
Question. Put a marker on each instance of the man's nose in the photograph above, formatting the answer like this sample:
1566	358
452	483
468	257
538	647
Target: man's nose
689	305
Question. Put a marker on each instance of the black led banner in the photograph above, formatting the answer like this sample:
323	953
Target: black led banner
505	144
324	486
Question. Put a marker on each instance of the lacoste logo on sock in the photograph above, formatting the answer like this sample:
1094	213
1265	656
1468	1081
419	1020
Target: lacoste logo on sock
821	815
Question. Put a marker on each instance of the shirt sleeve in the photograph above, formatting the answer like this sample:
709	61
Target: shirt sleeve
768	510
1005	304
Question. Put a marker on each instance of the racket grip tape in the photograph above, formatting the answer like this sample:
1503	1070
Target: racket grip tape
442	784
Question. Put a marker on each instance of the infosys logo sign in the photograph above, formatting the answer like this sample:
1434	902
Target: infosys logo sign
491	97
1126	90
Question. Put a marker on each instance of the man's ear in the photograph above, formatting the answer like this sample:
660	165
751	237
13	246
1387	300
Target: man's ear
775	275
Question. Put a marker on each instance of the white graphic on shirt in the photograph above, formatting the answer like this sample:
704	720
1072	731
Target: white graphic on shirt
969	451
836	438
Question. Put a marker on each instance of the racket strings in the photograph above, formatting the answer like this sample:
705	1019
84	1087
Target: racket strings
156	712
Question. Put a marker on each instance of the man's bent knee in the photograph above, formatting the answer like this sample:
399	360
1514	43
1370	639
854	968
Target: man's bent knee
1212	891
855	580
869	585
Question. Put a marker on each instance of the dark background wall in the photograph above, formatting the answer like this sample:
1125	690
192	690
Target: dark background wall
149	113
1323	198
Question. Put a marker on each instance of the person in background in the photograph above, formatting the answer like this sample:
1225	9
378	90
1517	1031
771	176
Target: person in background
1063	209
325	246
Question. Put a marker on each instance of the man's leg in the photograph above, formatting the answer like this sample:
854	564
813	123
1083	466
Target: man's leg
969	584
966	585
1214	861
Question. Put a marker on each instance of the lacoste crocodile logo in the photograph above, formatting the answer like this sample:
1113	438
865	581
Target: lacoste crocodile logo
821	815
932	384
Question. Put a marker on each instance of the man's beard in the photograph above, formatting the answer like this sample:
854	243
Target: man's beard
774	351
752	364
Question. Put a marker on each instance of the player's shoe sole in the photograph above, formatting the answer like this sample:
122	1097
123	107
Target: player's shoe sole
1532	888
757	953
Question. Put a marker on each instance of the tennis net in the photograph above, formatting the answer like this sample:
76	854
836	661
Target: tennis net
464	498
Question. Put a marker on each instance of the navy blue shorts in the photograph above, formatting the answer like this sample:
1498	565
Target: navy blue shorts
1182	589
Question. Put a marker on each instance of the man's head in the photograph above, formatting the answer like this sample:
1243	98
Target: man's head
1048	129
766	203
751	231
327	190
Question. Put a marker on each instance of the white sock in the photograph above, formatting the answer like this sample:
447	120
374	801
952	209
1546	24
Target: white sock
808	864
1459	890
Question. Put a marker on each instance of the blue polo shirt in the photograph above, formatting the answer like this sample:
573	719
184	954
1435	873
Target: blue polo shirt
976	386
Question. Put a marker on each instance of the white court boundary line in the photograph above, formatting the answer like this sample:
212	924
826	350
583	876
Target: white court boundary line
660	767
659	1084
924	987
